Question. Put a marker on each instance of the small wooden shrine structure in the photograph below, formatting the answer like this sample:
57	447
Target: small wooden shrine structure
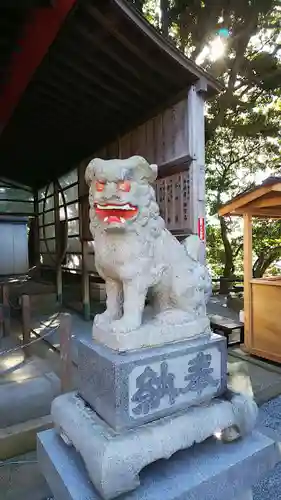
262	296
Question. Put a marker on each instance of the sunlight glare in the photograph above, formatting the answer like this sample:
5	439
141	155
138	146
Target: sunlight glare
214	51
217	49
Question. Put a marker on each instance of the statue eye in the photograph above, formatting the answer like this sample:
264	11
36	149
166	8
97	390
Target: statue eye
124	186
100	186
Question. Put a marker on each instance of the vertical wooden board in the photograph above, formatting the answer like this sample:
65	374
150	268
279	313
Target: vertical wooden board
160	196
177	198
172	194
125	146
113	150
102	153
142	141
150	142
186	219
135	142
248	264
82	186
180	129
84	220
158	131
168	137
169	202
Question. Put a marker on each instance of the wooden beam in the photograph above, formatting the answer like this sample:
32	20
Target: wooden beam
36	229
196	147
101	81
56	77
263	212
58	245
151	34
85	281
271	201
248	274
110	24
240	202
98	63
112	53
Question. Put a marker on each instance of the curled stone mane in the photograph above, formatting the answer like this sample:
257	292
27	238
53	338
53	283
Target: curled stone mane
148	220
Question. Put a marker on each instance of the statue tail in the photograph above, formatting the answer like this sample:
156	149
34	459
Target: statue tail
192	246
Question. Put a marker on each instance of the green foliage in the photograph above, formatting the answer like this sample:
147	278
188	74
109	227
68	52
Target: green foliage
243	122
266	245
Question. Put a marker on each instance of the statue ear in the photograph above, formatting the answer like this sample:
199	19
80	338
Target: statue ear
90	172
143	170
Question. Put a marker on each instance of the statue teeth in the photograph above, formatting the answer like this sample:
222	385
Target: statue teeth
114	207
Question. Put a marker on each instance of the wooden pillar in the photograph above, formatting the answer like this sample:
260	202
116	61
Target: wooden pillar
248	266
36	230
85	282
58	245
6	310
65	352
26	320
196	147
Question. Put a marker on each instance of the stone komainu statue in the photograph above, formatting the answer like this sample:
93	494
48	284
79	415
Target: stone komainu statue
135	253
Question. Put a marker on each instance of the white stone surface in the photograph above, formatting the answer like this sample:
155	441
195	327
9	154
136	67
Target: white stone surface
178	368
152	333
135	254
113	460
247	495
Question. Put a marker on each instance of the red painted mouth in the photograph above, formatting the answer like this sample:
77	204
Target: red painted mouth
117	214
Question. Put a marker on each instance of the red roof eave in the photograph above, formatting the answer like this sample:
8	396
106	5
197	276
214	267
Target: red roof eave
39	32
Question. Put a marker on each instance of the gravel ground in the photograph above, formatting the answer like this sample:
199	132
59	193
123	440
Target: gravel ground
269	488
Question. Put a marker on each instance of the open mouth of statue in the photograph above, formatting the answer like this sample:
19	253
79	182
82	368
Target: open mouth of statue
112	214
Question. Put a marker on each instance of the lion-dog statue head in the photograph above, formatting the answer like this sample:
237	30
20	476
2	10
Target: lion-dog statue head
121	195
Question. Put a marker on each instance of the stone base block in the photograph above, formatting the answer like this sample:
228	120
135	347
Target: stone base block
137	387
114	460
207	471
153	332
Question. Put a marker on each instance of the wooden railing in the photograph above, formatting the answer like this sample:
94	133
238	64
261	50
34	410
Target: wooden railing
226	285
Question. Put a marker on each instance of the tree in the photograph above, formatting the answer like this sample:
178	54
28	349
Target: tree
266	245
233	163
239	43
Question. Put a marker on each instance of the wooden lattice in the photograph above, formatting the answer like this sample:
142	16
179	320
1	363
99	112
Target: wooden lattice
173	197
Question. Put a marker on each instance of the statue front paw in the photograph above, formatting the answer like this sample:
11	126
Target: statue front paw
124	325
230	434
104	318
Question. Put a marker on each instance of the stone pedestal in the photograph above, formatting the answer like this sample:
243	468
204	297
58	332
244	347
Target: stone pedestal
153	332
208	471
136	387
115	459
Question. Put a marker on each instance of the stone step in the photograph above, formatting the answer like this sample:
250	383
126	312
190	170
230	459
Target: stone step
27	399
21	438
207	471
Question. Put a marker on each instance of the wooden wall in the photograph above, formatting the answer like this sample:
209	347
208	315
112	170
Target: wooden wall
162	140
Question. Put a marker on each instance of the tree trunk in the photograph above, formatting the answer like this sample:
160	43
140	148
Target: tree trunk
264	261
228	263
